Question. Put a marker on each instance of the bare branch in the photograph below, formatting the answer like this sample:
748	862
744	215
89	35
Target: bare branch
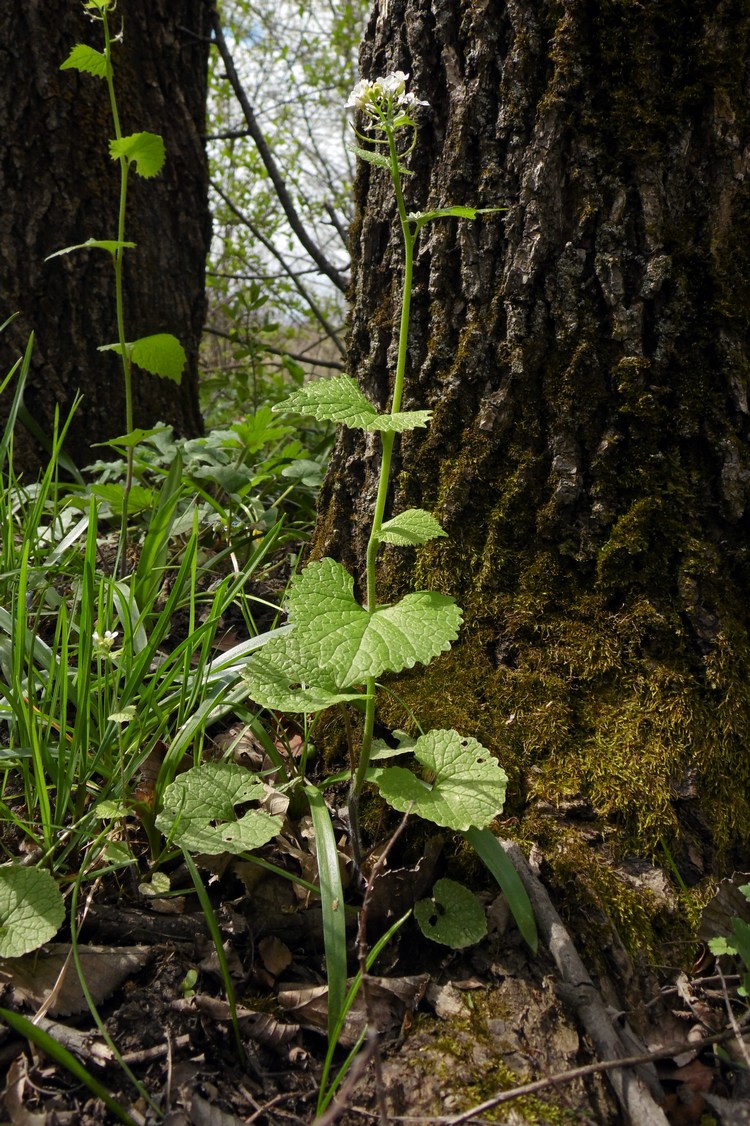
291	274
299	357
266	156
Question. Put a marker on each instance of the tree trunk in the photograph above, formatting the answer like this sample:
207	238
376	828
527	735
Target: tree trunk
586	358
60	187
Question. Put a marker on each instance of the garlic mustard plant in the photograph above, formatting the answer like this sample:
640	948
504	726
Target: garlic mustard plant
337	648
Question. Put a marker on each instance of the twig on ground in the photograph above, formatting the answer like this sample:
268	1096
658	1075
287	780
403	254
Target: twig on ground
157	1052
632	1090
602	1066
733	1019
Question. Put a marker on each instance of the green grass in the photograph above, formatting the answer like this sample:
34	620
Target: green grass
113	669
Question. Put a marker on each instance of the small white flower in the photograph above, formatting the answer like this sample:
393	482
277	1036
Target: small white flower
385	95
408	101
393	85
103	643
360	95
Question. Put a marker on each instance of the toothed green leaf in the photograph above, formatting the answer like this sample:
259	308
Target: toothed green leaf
144	150
87	60
378	159
466	786
279	678
458	212
410	528
31	909
340	400
351	643
161	354
198	813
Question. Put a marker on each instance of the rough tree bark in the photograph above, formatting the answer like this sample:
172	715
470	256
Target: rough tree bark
59	187
586	357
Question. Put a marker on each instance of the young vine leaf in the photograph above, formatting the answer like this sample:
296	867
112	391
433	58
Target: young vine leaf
198	813
467	786
87	60
410	528
340	400
161	354
144	150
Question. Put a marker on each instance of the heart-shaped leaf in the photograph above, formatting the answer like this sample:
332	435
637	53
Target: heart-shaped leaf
198	812
453	916
353	644
466	786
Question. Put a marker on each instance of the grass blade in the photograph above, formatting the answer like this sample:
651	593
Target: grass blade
491	852
60	1054
332	896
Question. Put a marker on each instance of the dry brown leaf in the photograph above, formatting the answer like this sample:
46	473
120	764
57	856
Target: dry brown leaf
204	1113
261	1027
13	1096
105	968
275	954
396	890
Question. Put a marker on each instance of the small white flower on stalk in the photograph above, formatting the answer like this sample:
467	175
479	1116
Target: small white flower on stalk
103	643
384	97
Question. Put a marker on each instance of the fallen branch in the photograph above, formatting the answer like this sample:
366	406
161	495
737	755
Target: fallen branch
533	1088
631	1088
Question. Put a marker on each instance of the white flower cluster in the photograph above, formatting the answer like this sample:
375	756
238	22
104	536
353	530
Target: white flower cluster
103	643
378	96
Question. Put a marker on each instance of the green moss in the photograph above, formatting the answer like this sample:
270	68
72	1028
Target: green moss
467	1061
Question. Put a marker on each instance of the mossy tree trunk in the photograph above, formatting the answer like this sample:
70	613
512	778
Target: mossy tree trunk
60	187
586	357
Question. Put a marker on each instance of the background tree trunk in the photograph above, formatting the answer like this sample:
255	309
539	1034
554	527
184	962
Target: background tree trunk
60	187
586	358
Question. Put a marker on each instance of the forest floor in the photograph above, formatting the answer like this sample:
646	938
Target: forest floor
457	1028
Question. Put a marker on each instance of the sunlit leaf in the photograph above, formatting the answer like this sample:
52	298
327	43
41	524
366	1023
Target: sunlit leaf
161	354
352	643
453	916
198	813
31	909
464	785
409	528
87	60
109	244
278	678
144	150
340	400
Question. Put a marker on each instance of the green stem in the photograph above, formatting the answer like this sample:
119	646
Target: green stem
119	305
373	544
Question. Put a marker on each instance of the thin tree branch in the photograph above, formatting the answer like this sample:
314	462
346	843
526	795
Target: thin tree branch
336	220
632	1088
278	351
303	292
266	156
583	1072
